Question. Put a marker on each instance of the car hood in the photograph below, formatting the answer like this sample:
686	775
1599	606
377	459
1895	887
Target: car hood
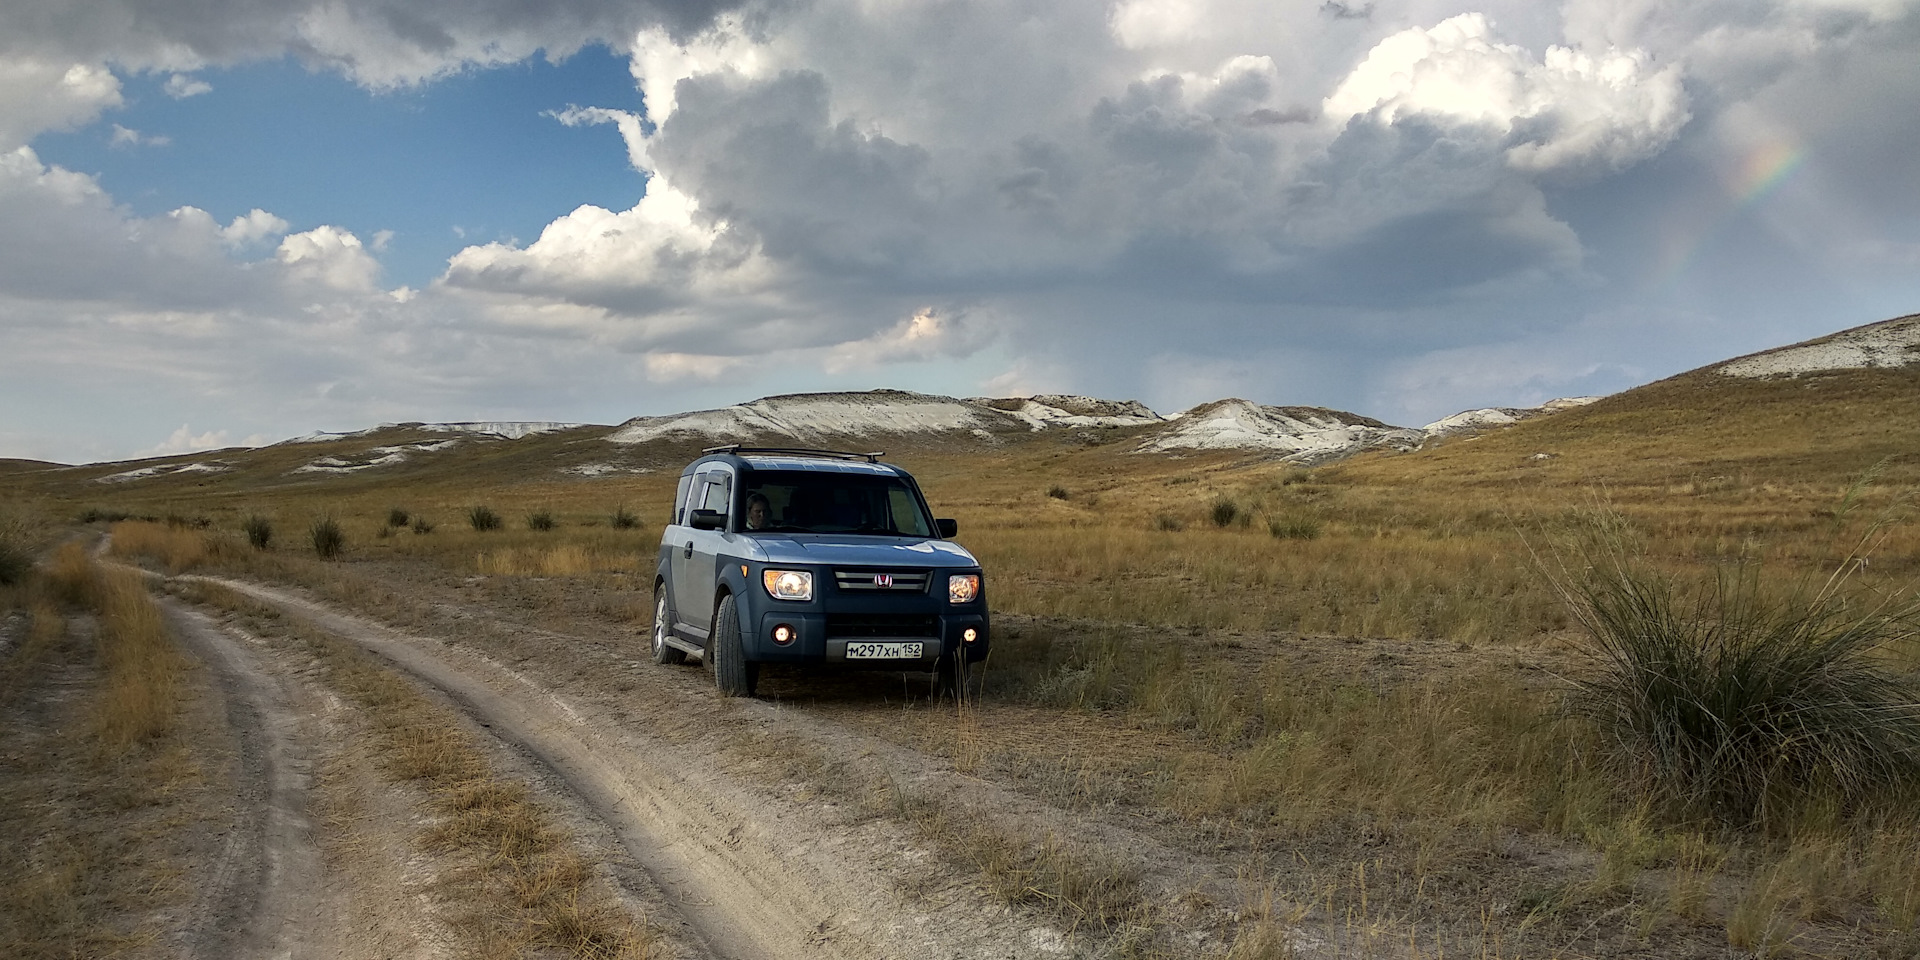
851	550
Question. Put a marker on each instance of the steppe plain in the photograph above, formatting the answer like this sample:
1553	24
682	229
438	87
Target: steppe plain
1238	706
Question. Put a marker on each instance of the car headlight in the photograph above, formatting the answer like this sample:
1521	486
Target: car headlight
963	588
788	584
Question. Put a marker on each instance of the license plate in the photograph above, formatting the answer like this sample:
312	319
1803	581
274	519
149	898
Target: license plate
883	651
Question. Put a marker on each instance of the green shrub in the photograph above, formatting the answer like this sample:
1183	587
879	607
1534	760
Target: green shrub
422	524
1726	703
14	560
398	517
623	519
328	539
1294	528
259	531
1224	512
540	520
483	518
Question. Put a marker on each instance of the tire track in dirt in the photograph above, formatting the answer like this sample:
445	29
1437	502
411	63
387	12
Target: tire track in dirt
745	888
267	897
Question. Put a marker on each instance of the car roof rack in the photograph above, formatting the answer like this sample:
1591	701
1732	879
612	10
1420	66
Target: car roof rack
737	449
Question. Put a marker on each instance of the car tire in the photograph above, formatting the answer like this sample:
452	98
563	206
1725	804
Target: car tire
732	674
946	677
663	652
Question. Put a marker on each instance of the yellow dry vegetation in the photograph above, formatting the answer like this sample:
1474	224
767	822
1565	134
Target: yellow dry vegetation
1400	784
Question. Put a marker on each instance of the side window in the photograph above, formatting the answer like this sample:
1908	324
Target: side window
717	492
680	499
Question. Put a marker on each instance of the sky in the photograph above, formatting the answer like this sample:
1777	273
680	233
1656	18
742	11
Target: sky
230	222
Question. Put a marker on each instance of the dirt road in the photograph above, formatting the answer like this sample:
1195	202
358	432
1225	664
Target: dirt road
730	865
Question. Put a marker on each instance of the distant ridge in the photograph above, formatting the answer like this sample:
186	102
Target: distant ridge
1488	418
1305	435
1889	343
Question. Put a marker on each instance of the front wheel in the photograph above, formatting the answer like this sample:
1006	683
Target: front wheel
731	672
664	652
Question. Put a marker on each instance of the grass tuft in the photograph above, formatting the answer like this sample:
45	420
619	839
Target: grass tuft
483	518
541	520
1223	512
328	539
398	517
1735	705
1058	492
259	531
1294	528
422	525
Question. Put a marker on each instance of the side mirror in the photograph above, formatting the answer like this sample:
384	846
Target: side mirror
948	528
708	520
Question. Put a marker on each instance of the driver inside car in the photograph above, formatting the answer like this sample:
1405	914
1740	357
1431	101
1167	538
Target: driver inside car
759	512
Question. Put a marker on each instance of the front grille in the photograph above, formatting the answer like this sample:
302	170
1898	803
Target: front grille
882	625
901	581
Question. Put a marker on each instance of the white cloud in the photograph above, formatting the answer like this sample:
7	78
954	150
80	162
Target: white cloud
331	257
253	226
124	137
627	122
180	86
38	95
184	440
669	367
1569	110
927	335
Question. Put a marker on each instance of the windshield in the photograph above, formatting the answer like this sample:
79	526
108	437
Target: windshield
801	501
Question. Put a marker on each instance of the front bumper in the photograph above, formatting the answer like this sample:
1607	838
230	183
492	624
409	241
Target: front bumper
822	637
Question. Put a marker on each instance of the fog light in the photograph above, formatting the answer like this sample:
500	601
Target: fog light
969	634
783	634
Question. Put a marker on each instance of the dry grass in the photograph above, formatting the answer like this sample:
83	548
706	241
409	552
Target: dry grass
102	773
524	885
1422	779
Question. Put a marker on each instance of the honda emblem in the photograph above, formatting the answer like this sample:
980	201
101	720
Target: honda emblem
883	580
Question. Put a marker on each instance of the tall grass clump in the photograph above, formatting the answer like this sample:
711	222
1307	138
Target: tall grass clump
1730	703
623	519
1058	492
541	520
1294	528
1223	512
422	525
328	539
259	531
398	517
483	518
16	559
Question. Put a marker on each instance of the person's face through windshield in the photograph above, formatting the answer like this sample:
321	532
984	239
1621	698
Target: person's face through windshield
757	513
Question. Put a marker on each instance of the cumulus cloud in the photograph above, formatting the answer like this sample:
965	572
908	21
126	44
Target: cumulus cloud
38	94
330	257
1173	196
184	440
1568	110
379	43
180	86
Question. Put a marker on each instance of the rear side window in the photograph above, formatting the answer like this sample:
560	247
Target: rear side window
680	499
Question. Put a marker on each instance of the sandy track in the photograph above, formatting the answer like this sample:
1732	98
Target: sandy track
748	879
265	896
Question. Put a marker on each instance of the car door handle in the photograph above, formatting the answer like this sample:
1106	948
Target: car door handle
689	551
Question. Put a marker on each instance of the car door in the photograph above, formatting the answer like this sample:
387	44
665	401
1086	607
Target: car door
693	587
